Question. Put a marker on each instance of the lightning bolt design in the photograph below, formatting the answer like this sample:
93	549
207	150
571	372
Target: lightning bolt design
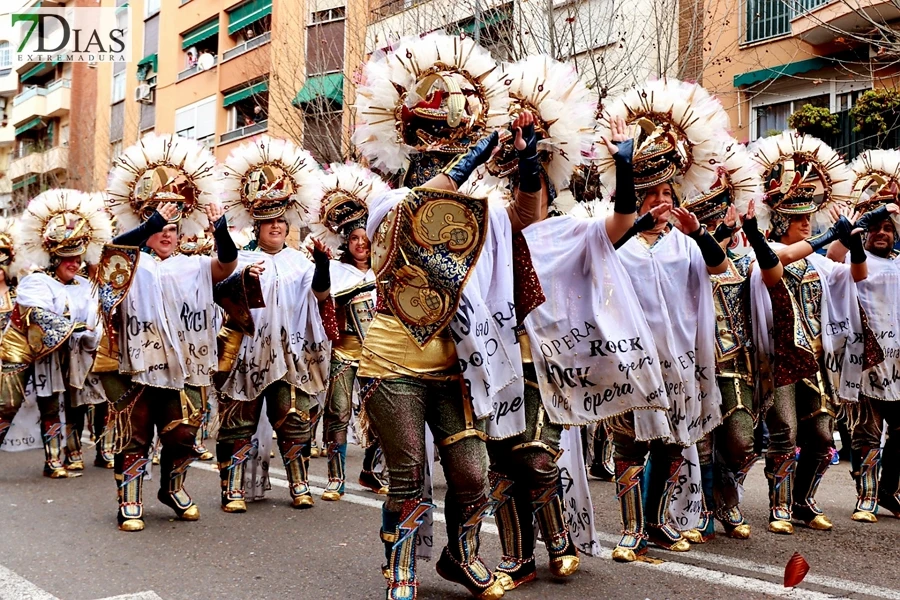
784	470
628	480
241	456
54	431
871	459
134	471
486	510
498	491
411	523
293	453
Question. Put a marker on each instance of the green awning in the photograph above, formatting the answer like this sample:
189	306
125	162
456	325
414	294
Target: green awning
795	68
151	61
39	69
27	181
486	21
246	92
330	86
35	122
248	13
121	7
198	34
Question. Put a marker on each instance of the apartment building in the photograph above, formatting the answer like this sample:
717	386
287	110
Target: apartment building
48	148
774	56
9	87
223	72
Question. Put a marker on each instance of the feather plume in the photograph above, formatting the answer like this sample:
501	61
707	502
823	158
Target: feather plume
387	77
482	184
565	107
697	119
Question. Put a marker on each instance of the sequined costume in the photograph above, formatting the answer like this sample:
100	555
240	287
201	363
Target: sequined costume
158	307
59	230
277	353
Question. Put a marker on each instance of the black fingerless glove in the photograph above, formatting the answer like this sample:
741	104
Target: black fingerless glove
625	200
226	251
839	231
712	252
873	216
644	222
529	163
461	167
321	281
140	234
857	252
723	232
765	256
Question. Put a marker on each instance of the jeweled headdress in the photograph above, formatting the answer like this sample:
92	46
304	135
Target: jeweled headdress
346	189
876	178
801	175
739	181
61	223
437	92
161	169
564	110
269	178
676	130
9	231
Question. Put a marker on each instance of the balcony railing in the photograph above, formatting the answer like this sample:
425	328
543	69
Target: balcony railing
236	134
247	46
196	69
41	91
54	159
772	18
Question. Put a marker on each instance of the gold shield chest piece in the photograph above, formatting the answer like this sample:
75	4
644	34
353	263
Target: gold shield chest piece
423	254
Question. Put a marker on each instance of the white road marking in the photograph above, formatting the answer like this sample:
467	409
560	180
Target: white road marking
13	587
711	576
138	596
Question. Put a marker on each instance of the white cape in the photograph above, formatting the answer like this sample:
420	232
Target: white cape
592	348
290	342
675	293
879	295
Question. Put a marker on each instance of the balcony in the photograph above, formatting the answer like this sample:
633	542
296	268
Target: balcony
191	71
242	132
247	46
9	82
55	159
51	101
834	20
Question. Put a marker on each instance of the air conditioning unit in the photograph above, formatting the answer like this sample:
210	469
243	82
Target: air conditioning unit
143	93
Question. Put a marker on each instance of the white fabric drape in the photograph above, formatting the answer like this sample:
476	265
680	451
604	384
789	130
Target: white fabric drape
879	295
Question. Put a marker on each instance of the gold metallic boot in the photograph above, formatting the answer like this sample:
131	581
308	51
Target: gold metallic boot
129	475
629	481
337	457
297	474
780	473
867	486
564	559
806	483
660	532
74	455
459	561
53	464
232	460
732	519
515	524
171	490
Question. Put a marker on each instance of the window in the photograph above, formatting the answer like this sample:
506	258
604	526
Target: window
322	136
151	35
115	149
117	122
773	118
5	61
151	7
324	16
122	19
201	48
325	47
64	135
772	18
118	87
197	121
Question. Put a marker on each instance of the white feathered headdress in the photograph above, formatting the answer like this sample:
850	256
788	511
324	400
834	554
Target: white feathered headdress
876	178
345	192
160	169
678	127
739	181
269	178
431	91
484	185
9	233
565	111
61	223
801	175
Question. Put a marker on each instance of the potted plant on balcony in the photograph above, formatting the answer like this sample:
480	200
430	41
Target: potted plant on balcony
816	121
876	113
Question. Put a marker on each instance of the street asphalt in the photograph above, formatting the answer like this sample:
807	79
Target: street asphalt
59	540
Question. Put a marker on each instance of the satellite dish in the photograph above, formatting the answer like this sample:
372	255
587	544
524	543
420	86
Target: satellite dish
205	62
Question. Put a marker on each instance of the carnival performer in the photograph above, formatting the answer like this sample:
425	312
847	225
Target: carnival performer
8	233
342	227
668	267
158	306
437	255
737	364
555	112
59	231
813	366
277	353
875	191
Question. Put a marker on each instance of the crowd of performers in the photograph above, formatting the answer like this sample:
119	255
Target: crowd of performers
451	302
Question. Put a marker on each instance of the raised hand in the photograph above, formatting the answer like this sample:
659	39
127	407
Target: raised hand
525	135
167	210
686	221
618	133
